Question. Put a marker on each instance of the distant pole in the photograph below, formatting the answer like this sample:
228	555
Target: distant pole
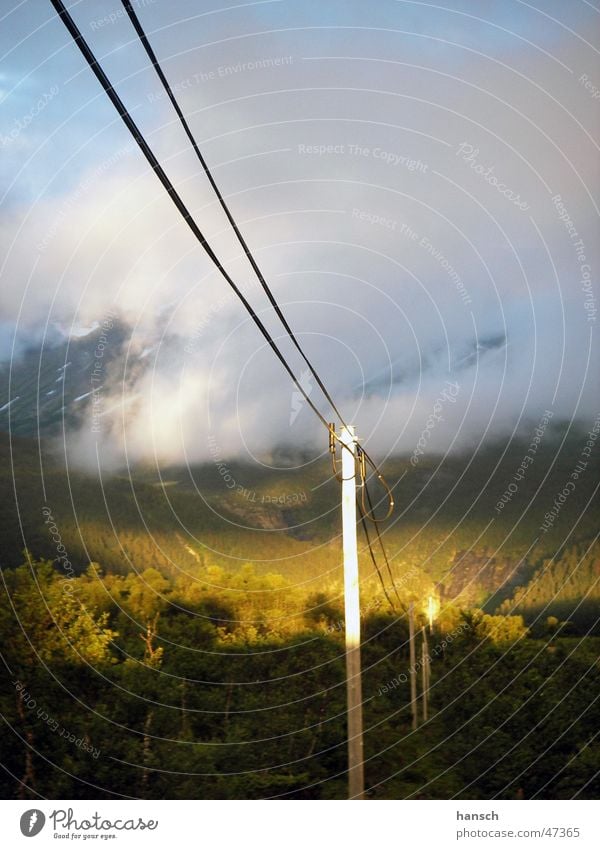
430	614
356	780
413	665
425	674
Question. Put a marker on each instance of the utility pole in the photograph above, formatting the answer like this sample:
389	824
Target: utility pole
425	674
413	665
356	780
430	612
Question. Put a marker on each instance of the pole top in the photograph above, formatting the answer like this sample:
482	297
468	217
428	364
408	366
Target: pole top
347	434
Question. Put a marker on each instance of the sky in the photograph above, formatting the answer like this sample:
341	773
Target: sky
417	181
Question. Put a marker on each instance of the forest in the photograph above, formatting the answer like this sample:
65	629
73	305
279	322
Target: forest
139	660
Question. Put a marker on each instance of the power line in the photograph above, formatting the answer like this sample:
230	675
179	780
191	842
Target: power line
365	528
380	540
167	184
347	439
157	67
165	83
181	207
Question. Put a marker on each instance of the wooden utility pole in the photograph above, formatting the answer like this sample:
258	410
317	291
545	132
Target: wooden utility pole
356	781
413	665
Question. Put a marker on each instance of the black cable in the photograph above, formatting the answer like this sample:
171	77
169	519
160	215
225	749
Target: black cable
370	515
160	173
165	83
162	176
372	553
385	557
152	56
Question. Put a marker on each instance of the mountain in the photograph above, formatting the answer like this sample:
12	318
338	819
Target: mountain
446	534
469	528
48	388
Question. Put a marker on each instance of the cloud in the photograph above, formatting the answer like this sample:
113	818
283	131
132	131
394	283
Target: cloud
403	211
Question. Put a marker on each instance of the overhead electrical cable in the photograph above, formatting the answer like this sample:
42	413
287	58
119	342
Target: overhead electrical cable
273	301
353	664
365	528
167	184
181	207
381	545
157	67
